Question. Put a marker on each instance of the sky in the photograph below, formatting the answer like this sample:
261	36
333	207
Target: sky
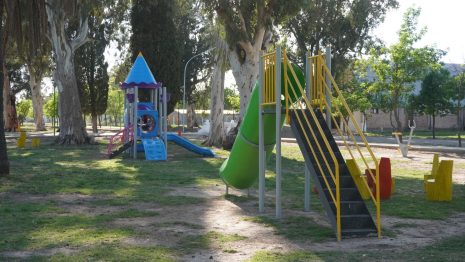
443	19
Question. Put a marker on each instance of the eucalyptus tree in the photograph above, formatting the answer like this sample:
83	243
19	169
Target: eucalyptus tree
216	135
248	26
4	163
61	15
11	22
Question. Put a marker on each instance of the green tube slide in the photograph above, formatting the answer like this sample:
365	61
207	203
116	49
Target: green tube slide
240	170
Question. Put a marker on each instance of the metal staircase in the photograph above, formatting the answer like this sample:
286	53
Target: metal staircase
355	217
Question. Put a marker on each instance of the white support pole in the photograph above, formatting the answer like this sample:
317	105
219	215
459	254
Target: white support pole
308	86
261	141
278	133
134	124
328	82
165	119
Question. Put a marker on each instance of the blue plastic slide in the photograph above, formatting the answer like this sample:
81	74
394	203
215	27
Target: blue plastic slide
154	149
181	141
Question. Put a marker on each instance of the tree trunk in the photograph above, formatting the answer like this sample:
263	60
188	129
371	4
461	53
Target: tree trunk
459	124
397	119
37	100
434	126
216	135
94	123
4	163
9	108
191	122
72	126
245	71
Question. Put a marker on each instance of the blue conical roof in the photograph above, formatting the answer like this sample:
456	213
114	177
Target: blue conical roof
140	75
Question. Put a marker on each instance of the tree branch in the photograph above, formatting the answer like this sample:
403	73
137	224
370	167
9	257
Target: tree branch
82	38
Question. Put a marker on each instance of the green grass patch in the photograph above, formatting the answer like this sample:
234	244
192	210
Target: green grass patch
440	134
296	228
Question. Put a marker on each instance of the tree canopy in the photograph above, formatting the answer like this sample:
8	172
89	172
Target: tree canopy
154	33
399	66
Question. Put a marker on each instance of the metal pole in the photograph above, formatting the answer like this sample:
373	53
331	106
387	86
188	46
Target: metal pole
184	86
278	133
329	84
165	119
308	86
54	109
261	142
134	121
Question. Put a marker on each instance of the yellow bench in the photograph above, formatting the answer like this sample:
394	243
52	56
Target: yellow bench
438	185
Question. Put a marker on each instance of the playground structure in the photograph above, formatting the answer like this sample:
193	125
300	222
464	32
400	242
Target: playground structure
438	185
145	122
308	101
405	147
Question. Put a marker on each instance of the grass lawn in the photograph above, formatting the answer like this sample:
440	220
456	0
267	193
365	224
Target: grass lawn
74	204
440	134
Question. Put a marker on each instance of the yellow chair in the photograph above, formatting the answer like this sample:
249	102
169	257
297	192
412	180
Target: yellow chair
35	142
360	181
438	185
434	170
21	142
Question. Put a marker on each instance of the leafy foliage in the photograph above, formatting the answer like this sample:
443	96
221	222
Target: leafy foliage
115	103
231	99
154	33
435	95
24	109
91	70
399	66
50	107
343	24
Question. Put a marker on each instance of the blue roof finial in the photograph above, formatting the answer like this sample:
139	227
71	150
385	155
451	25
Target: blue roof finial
140	75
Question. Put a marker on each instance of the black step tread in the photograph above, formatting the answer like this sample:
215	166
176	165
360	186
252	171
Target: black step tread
356	216
359	231
355	220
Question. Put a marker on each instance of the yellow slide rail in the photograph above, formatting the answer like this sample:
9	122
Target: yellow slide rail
321	76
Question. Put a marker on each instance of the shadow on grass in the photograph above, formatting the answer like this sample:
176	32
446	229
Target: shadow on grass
44	179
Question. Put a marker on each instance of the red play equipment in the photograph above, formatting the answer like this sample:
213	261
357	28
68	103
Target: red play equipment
385	179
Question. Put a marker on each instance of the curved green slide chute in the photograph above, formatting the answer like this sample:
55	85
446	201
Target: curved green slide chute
240	170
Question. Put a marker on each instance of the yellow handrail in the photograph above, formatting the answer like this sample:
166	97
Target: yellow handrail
333	174
320	90
322	73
